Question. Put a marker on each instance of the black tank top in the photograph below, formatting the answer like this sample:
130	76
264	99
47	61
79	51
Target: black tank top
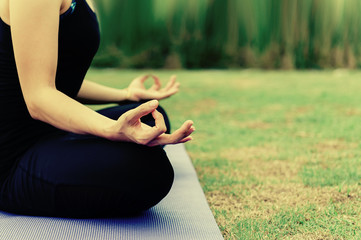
78	43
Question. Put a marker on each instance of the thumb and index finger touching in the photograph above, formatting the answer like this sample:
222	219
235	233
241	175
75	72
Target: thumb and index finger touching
149	133
147	108
135	114
157	84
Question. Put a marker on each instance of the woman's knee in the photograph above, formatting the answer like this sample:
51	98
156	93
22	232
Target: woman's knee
154	182
139	184
125	178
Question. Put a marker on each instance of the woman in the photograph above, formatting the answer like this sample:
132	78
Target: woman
58	157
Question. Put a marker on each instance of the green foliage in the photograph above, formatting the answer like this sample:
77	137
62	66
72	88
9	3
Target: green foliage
229	33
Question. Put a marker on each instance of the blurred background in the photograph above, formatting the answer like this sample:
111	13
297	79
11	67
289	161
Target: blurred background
192	34
277	152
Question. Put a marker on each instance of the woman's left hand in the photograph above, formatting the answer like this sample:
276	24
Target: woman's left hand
136	91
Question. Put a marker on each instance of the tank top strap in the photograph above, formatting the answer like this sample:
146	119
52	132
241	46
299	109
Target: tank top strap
70	10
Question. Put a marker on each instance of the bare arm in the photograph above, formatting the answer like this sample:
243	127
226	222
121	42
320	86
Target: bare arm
94	93
34	29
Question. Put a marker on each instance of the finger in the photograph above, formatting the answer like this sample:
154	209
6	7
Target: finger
171	88
190	131
147	94
167	94
157	85
157	141
186	139
186	125
175	86
179	136
159	121
184	131
142	78
135	114
165	139
171	83
159	128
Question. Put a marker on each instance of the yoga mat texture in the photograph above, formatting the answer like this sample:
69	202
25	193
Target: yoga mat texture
183	214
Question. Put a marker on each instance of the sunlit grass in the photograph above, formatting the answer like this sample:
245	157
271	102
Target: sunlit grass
277	153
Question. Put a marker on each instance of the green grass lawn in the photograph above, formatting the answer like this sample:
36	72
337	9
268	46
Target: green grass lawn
277	153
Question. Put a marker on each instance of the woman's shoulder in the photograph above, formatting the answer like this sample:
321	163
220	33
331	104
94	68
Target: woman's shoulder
91	4
5	11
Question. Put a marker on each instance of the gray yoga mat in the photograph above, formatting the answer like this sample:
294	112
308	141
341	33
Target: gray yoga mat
183	214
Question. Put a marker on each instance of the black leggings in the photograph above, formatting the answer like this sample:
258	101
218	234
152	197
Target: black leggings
71	175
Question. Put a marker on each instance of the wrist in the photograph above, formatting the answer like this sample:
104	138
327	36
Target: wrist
108	129
128	94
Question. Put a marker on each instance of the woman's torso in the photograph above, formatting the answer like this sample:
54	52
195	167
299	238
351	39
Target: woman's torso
78	43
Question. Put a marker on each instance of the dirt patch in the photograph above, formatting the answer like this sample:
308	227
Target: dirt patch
275	169
223	201
261	163
311	236
273	107
334	145
261	200
201	155
243	83
296	195
297	112
250	124
304	134
249	153
351	112
203	106
302	110
208	171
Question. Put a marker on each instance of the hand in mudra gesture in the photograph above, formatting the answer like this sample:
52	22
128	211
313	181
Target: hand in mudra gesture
137	91
130	128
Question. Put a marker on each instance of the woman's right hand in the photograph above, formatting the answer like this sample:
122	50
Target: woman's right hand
130	128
